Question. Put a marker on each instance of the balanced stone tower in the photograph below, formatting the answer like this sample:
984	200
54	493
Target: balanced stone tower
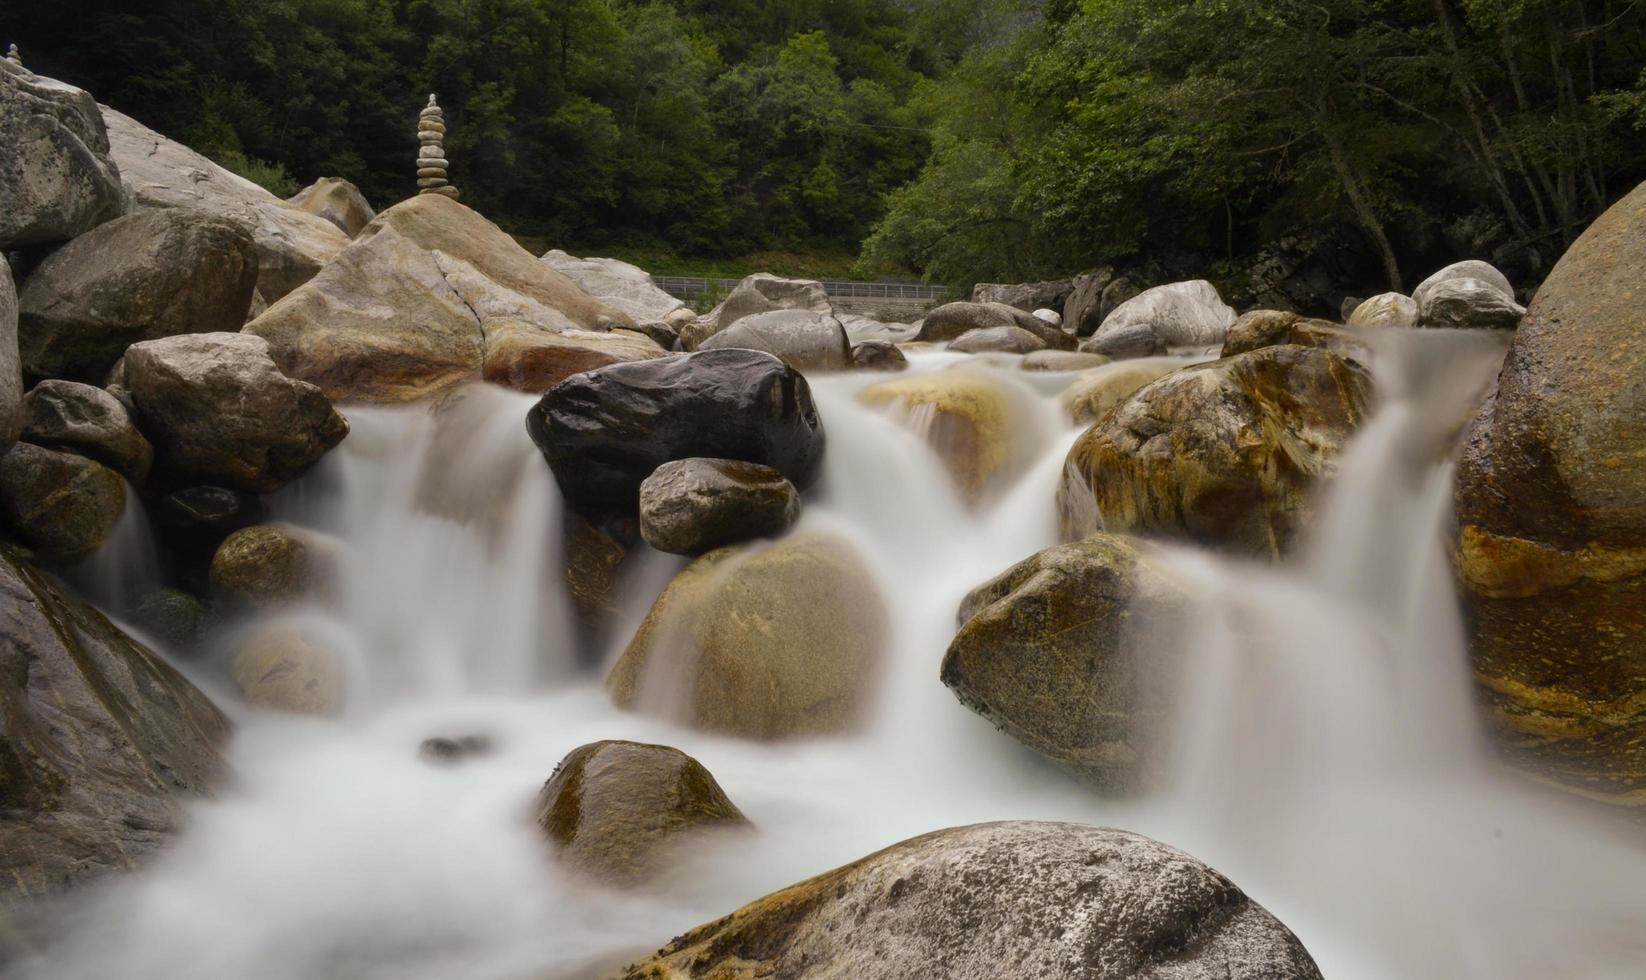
431	158
13	56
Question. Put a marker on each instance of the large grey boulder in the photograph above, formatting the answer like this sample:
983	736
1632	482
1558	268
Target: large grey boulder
56	176
144	276
1026	296
690	506
619	285
62	506
1484	272
89	421
11	363
1468	304
762	293
101	740
219	411
1180	317
997	340
803	340
953	320
158	172
1017	899
336	200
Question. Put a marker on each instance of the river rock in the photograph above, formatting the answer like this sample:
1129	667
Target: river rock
691	506
997	340
60	505
763	293
101	739
218	411
337	201
593	557
1026	296
1181	317
618	284
1475	269
158	172
968	420
878	355
1056	652
620	810
145	276
605	431
89	421
194	521
1468	304
1083	310
270	565
1019	899
427	297
1551	507
862	329
1224	454
1266	328
172	617
804	340
953	320
762	642
1385	310
56	178
533	360
1097	390
1061	360
11	364
282	668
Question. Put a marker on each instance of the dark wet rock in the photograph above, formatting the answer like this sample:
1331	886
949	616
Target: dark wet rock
61	506
99	739
997	340
1083	310
878	355
195	520
11	364
171	617
145	276
605	431
1225	454
269	565
1018	899
451	750
594	558
218	411
90	422
691	506
56	178
802	339
621	810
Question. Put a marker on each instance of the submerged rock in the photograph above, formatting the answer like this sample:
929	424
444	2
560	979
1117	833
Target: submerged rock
966	417
60	505
449	750
1018	899
621	810
1551	504
605	431
171	616
98	740
1225	454
691	506
281	668
1056	651
219	411
89	421
1182	317
1099	390
803	340
765	643
1062	360
145	276
270	565
56	178
337	201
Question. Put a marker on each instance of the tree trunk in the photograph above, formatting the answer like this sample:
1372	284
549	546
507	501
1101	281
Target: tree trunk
1356	193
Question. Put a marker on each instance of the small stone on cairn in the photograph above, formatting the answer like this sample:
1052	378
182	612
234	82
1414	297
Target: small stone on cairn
431	158
13	56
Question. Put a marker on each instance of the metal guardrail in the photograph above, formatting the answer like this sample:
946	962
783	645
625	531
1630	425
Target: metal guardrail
689	287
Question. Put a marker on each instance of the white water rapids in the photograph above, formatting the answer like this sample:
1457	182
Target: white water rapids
1328	756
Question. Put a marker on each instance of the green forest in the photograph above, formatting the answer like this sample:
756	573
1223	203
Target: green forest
951	139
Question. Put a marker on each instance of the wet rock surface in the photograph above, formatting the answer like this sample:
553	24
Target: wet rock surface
60	505
691	506
88	421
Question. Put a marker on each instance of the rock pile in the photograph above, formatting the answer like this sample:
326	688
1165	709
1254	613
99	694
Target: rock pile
431	156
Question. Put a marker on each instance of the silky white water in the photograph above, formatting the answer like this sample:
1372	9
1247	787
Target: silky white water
1327	756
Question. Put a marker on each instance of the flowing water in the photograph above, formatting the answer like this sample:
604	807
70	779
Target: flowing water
1327	754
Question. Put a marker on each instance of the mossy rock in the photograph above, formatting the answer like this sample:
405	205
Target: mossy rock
964	415
270	565
60	505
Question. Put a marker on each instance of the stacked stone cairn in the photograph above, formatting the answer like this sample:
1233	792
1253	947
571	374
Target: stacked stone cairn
431	157
13	56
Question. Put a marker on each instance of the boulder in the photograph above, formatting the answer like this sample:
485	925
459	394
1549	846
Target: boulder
270	565
145	276
1468	304
953	320
218	411
1385	310
171	616
862	329
617	284
291	244
878	355
1083	310
89	421
337	201
1551	507
422	300
691	506
281	668
605	431
60	505
997	340
1026	296
761	642
1483	272
1061	360
1181	317
11	363
763	293
1225	454
1098	390
1049	317
100	739
660	332
621	810
1060	651
803	340
965	416
533	361
1266	328
1018	899
56	178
